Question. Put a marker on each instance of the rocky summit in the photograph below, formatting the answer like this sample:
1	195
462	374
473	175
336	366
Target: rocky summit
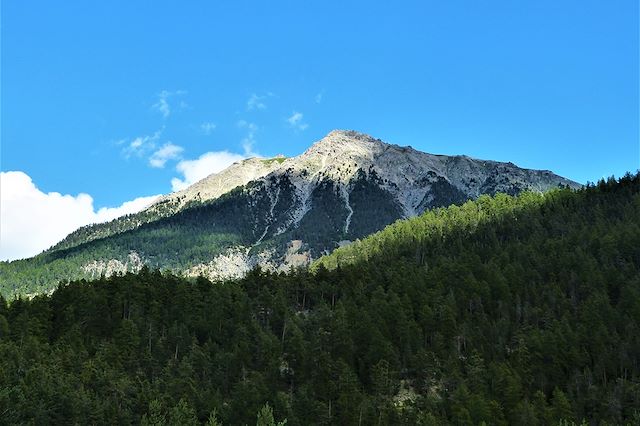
281	212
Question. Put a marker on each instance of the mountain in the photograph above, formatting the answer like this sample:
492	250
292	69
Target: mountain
277	213
504	311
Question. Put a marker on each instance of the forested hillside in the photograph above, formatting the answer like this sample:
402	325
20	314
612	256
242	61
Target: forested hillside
506	310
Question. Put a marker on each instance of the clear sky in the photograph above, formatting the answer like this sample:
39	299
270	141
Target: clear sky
126	99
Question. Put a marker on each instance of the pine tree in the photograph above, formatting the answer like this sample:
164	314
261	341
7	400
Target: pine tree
265	417
155	416
183	414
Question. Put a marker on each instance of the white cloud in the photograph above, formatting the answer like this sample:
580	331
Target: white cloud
167	152
256	102
295	121
105	214
208	127
319	96
140	145
163	106
203	166
32	221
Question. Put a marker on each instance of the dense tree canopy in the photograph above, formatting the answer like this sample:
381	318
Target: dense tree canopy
505	310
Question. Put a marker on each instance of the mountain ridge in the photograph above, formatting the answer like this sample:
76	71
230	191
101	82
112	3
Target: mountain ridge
343	144
284	212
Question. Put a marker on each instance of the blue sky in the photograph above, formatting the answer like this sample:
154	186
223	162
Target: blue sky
544	84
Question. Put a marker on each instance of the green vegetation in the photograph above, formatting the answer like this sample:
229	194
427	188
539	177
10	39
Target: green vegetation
278	159
506	310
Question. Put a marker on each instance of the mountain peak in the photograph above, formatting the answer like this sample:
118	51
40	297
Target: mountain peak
344	144
339	136
346	133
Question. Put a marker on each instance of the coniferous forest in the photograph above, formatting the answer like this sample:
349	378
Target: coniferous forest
505	310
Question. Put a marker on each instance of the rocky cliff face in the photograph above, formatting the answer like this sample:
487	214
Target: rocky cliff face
286	212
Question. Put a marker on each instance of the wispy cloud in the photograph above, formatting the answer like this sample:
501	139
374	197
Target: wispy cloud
140	145
319	97
168	151
296	121
208	127
163	106
256	102
249	141
148	145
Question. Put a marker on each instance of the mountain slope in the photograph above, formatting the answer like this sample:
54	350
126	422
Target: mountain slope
505	310
278	213
209	188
